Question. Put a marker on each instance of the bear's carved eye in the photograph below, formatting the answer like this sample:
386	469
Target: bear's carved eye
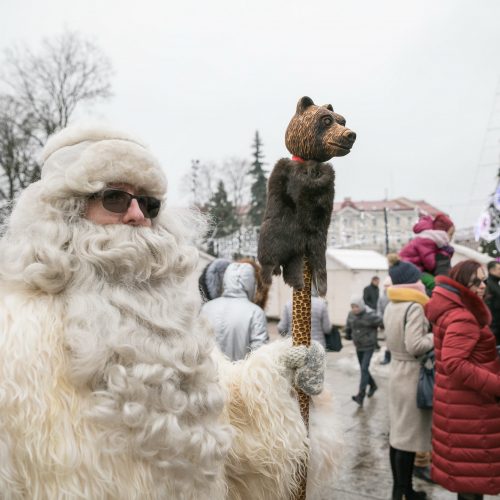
327	120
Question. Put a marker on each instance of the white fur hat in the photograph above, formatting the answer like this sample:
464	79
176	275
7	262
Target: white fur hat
83	159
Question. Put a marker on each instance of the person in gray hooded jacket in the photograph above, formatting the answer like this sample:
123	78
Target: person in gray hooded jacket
240	326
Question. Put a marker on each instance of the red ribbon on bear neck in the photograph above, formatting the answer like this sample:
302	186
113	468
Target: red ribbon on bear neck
298	159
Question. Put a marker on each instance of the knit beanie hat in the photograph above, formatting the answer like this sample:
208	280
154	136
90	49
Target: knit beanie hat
357	300
211	279
84	159
442	222
402	272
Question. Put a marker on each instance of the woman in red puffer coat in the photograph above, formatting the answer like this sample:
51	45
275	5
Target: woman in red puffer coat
466	416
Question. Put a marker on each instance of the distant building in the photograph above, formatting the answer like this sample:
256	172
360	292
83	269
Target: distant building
364	224
355	224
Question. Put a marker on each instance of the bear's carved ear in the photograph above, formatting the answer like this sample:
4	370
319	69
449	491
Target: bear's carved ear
328	106
303	104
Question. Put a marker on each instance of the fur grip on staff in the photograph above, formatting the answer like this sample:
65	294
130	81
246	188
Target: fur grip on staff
301	326
301	335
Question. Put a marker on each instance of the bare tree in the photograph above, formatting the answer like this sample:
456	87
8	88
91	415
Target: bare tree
17	153
48	85
40	94
201	181
203	178
234	173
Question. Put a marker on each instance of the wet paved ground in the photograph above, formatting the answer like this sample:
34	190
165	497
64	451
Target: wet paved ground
365	472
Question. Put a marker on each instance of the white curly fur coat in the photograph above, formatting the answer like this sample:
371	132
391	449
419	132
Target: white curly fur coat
50	449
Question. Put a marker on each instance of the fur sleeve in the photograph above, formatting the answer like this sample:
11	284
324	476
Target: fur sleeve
270	439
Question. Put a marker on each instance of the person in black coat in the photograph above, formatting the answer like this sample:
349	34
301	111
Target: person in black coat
362	326
492	297
371	293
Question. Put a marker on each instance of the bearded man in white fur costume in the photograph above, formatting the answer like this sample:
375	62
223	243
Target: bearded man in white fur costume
110	385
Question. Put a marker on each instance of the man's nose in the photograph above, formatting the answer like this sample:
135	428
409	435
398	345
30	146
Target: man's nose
133	215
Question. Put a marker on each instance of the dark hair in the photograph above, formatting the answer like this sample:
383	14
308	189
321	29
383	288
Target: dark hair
375	278
261	289
464	271
492	264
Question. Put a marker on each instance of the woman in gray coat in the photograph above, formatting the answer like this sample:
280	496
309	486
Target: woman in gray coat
407	337
239	324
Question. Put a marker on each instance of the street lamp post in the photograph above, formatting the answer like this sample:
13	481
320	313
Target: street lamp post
386	231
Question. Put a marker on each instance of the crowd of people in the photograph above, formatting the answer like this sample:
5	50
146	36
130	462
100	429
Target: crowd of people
116	382
425	306
431	310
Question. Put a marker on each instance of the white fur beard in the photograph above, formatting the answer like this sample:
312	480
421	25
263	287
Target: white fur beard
132	336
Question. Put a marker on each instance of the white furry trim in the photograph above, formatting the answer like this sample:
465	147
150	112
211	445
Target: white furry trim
80	160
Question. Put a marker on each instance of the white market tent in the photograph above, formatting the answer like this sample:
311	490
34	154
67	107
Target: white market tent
349	271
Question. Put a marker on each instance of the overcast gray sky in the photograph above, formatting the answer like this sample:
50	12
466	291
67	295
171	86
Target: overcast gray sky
417	80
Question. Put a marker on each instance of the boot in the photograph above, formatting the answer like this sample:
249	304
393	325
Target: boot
403	466
372	389
387	358
415	495
358	399
399	494
423	473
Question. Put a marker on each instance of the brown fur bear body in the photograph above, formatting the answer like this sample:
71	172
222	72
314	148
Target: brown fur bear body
300	196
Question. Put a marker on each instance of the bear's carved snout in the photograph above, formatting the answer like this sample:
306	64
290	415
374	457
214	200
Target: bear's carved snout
340	140
349	136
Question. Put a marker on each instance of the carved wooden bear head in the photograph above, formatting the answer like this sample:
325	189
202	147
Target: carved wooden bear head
317	132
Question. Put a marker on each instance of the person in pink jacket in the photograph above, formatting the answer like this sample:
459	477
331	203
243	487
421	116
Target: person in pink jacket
430	249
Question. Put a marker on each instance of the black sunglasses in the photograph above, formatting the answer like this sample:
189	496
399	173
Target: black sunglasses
118	202
475	282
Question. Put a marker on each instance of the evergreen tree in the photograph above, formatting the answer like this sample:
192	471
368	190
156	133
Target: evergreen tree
488	228
259	186
222	212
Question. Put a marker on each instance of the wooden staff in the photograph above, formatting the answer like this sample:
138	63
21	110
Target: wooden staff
301	335
300	196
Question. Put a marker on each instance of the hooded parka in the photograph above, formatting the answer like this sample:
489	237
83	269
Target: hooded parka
466	412
239	325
